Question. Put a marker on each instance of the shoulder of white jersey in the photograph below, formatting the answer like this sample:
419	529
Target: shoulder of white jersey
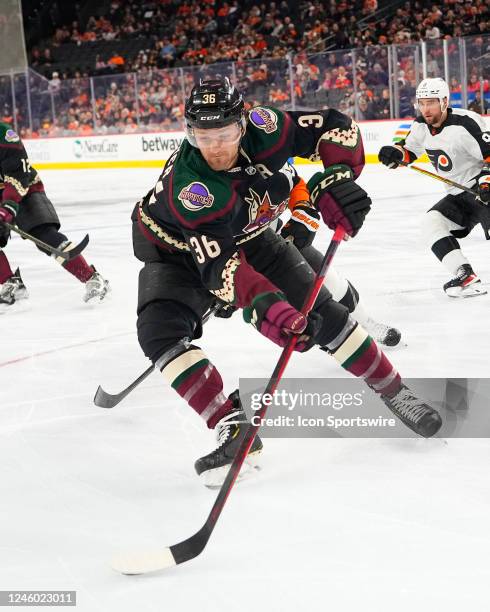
418	126
468	119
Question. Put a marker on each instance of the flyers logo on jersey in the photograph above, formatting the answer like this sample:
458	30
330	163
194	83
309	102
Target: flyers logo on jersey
196	196
264	119
440	160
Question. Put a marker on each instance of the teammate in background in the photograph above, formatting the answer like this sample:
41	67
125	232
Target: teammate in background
458	145
24	202
203	233
301	229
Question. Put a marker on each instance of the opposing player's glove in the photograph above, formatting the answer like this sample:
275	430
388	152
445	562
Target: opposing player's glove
390	156
302	226
276	319
8	210
484	185
339	199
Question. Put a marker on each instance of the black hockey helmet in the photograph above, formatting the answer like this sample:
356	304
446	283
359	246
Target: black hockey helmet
214	103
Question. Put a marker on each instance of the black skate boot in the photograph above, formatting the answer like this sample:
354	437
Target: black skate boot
414	412
465	284
229	432
13	290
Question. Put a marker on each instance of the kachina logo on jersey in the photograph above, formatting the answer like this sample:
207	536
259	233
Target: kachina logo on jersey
264	119
196	196
401	132
440	160
261	210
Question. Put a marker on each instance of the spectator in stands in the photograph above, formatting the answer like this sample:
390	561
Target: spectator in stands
377	76
381	104
116	62
478	104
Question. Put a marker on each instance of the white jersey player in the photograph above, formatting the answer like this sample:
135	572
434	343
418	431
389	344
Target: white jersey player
457	143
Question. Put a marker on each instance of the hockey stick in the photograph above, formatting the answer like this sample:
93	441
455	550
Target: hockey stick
66	255
452	184
107	400
190	548
439	178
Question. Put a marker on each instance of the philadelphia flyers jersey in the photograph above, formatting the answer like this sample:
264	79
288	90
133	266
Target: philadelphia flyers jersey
457	149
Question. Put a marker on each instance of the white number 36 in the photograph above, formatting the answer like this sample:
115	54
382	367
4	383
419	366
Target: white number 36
204	247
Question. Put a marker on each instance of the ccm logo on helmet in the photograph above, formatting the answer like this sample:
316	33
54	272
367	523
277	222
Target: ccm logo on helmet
210	118
440	160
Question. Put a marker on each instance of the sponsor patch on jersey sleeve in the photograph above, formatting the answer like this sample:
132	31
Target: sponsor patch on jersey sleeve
264	118
196	196
11	136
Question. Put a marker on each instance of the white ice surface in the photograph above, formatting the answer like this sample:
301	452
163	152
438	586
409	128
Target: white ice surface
327	525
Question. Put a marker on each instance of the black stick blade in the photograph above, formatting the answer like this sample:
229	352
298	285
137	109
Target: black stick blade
104	399
75	252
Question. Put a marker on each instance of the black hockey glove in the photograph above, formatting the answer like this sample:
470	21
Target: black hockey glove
390	156
339	199
302	226
484	185
224	310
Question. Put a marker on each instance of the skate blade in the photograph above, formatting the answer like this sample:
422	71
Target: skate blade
214	479
96	297
469	292
15	306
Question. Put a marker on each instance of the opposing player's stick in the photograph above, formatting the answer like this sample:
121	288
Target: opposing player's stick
189	549
107	400
443	179
66	255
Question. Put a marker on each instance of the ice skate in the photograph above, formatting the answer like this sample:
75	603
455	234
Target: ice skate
414	412
230	429
383	334
12	291
96	288
465	284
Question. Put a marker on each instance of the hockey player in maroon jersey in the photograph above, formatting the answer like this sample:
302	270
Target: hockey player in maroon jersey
199	234
23	202
457	143
301	229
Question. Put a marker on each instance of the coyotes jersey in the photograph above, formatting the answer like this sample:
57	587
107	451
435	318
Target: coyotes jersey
210	214
457	149
17	176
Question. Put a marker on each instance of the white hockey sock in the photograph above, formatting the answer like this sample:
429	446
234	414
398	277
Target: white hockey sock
453	260
336	284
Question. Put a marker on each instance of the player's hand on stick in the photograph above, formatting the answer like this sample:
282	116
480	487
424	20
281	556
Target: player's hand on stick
484	186
390	156
8	211
339	199
276	319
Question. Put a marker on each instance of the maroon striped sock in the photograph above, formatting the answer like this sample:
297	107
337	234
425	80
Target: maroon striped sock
359	354
79	268
5	269
196	380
